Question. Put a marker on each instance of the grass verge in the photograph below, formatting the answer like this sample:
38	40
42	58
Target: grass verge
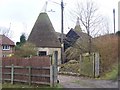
112	74
32	87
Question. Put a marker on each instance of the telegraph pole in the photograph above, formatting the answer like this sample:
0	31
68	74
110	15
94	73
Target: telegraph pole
114	19
62	43
62	38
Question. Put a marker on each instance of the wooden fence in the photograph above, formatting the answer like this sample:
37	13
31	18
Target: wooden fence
35	70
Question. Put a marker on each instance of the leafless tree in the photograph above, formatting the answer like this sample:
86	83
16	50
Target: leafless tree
5	31
89	17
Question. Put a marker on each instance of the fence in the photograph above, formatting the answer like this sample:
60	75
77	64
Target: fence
35	70
28	74
89	64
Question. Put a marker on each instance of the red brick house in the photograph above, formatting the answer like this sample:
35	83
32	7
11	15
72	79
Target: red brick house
6	46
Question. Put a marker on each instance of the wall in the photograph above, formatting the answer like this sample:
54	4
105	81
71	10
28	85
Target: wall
51	51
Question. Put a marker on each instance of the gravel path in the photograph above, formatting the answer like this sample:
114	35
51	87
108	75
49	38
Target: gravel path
79	82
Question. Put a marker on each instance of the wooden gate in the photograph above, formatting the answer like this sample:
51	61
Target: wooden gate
89	64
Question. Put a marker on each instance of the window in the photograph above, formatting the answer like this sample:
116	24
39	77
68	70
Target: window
42	53
6	47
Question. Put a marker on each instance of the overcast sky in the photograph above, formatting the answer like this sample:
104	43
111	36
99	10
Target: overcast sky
22	14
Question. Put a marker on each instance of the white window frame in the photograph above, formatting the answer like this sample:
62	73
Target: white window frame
5	47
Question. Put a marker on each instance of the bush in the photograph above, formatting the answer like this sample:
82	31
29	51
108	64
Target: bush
26	50
108	48
112	74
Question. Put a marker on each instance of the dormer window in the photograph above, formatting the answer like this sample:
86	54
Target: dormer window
6	47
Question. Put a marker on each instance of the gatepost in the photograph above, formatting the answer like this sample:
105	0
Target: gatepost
96	64
97	60
53	69
55	58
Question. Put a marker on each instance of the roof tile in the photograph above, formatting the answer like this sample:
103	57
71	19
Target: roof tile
4	40
43	33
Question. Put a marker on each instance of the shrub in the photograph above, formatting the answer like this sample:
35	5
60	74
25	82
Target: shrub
26	50
108	48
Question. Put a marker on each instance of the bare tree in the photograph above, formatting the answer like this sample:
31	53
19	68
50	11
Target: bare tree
91	22
89	17
6	31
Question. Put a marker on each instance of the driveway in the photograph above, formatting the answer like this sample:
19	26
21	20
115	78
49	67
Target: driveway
80	82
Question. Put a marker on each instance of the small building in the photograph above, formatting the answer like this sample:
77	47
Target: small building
7	46
44	37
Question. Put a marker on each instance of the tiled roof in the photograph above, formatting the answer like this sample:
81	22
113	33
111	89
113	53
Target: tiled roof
43	33
4	40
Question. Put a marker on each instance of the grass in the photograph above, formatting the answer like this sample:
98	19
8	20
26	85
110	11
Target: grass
25	86
87	67
9	85
112	74
84	68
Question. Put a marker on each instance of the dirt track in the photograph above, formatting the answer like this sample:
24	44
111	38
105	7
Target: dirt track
79	82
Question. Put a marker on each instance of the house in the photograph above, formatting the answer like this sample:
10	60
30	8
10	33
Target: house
7	46
44	37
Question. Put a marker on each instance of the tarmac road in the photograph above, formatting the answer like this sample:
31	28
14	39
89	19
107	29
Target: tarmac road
81	82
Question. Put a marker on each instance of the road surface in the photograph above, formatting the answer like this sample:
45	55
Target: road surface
80	82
